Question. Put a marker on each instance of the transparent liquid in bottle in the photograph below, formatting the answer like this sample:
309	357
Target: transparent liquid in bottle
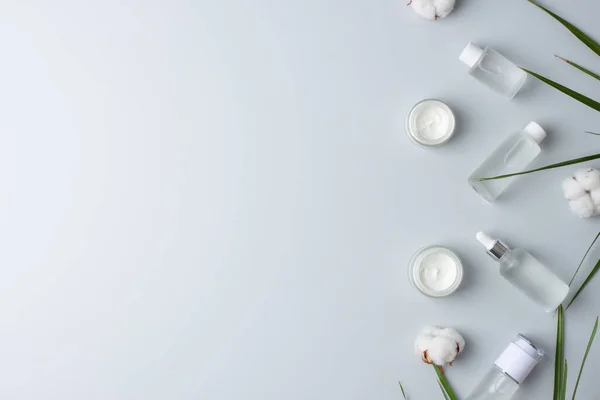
533	278
510	369
495	385
499	73
513	155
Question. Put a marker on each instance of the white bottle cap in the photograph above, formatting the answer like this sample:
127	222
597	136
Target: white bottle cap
534	130
519	358
471	55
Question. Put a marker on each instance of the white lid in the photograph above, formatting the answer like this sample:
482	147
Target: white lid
471	55
534	130
519	358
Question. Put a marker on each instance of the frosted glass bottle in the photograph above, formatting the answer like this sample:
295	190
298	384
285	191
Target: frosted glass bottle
513	155
493	70
509	371
527	274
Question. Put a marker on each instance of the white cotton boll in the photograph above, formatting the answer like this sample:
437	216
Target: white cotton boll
583	207
433	9
595	195
589	178
437	345
583	192
444	7
441	351
572	189
453	334
424	8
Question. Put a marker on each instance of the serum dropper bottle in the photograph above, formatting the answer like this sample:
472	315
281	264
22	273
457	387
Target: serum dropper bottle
526	273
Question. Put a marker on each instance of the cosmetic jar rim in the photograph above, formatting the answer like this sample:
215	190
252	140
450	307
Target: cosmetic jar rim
408	125
417	259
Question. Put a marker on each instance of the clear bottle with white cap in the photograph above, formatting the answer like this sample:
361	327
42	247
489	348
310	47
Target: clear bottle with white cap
509	371
512	156
526	273
493	70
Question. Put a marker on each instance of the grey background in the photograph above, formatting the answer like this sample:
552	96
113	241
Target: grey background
217	199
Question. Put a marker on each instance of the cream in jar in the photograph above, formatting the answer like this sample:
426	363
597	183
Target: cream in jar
430	123
435	271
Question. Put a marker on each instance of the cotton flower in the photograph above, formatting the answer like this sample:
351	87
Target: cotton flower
437	345
572	189
583	206
432	9
588	178
583	192
595	195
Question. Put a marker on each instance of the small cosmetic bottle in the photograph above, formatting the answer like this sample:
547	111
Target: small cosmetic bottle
513	155
493	70
527	274
509	371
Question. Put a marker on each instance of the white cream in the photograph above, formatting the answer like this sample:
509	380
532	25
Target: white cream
436	271
430	123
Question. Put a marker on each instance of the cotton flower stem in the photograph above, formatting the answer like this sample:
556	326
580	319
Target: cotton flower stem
446	389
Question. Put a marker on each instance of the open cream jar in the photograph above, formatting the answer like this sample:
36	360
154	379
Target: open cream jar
435	271
430	123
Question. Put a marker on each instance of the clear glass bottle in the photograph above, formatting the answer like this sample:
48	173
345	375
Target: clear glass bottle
493	70
527	274
513	155
509	371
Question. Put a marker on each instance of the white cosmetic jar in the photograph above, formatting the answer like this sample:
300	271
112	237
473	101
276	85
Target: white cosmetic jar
430	123
435	271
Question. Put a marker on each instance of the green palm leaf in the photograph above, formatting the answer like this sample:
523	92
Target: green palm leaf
590	276
585	283
579	67
588	41
551	166
584	257
402	390
559	376
569	92
563	393
587	351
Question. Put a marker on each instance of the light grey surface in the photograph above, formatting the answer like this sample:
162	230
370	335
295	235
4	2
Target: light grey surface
217	200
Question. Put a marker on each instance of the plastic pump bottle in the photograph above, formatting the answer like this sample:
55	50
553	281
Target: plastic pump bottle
493	70
513	155
526	273
509	371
